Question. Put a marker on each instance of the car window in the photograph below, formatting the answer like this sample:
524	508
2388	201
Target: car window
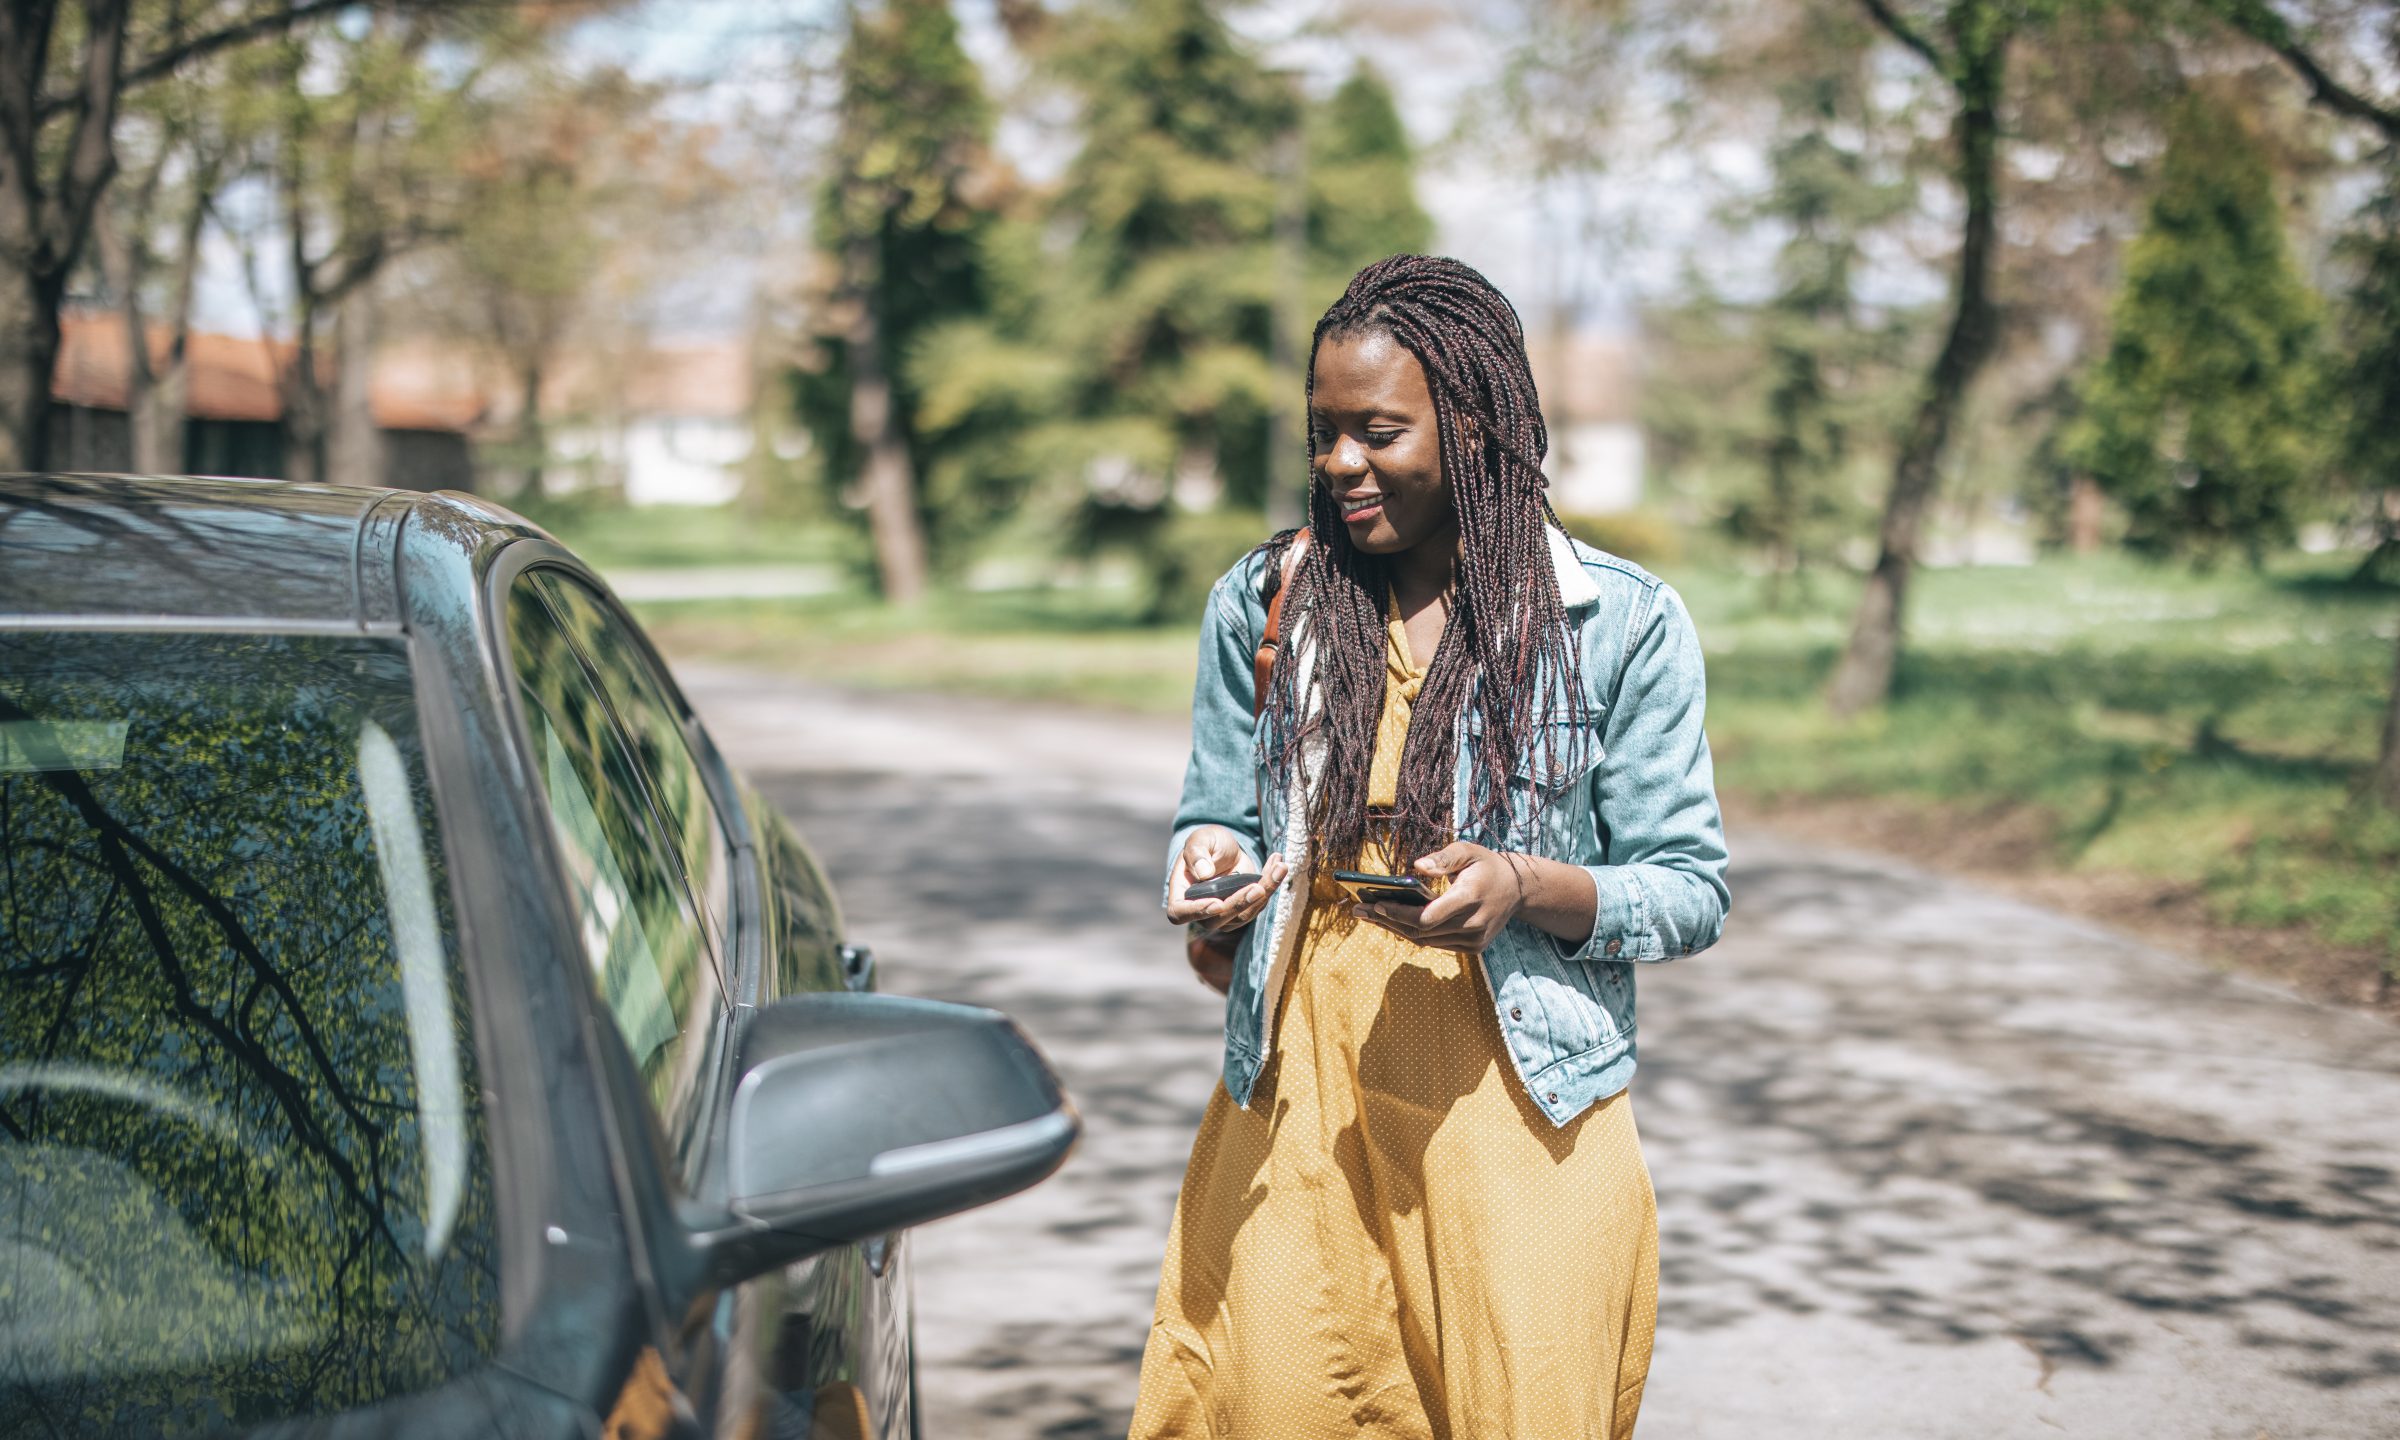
240	1138
656	739
649	953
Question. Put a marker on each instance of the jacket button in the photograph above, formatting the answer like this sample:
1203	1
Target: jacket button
1516	1013
1552	1097
1613	946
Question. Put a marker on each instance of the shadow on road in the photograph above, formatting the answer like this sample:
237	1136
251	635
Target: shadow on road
1888	1118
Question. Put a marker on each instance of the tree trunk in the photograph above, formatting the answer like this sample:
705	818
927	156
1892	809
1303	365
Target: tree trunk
2084	512
28	360
1863	679
353	444
532	439
2387	765
44	219
304	410
158	426
875	423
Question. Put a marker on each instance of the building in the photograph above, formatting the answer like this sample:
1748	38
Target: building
1590	389
422	400
665	425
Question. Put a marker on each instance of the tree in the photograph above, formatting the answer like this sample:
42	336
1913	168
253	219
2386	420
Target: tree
1126	379
184	137
1969	52
2370	439
2373	311
1825	356
2369	320
2200	418
902	219
558	181
64	72
367	132
1362	196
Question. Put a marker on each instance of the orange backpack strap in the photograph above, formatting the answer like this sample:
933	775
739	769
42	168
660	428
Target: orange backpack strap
1262	665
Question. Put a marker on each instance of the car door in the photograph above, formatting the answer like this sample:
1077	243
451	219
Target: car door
824	1342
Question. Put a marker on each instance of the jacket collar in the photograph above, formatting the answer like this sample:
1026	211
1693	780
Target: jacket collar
1575	588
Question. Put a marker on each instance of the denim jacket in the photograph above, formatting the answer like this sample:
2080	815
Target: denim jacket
1638	809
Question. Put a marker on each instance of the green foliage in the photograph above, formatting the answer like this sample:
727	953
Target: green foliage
1820	349
904	216
610	535
2208	730
1129	353
2201	420
1636	535
2369	377
2204	729
1362	203
1785	408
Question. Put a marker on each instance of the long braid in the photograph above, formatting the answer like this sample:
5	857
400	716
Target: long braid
1507	627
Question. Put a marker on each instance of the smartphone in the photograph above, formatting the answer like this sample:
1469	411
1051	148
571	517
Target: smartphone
1371	889
1220	887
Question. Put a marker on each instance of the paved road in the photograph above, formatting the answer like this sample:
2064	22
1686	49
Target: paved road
1931	1163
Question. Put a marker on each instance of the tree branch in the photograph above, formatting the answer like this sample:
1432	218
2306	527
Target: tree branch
1907	34
168	58
2259	21
91	157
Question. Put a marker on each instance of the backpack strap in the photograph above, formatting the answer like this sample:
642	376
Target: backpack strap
1262	665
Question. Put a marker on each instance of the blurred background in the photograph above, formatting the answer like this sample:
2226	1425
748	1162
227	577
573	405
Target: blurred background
2013	389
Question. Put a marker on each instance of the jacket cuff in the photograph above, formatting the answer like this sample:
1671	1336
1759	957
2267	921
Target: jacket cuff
1622	927
1166	884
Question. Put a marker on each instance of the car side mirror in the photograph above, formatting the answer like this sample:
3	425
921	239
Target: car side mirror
862	1114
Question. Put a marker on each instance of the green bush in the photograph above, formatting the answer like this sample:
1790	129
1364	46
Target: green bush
1636	535
1190	551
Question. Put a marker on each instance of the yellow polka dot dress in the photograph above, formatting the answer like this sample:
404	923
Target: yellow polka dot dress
1391	1240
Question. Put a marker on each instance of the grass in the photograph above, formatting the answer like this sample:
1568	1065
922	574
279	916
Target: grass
621	537
2208	732
1062	645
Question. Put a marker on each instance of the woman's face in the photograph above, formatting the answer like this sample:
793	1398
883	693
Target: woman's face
1378	445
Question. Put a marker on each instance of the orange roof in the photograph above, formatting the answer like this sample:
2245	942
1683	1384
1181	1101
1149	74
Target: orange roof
708	380
231	378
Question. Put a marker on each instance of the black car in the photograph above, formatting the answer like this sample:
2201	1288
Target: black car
408	1023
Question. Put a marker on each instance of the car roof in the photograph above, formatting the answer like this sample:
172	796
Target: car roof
162	548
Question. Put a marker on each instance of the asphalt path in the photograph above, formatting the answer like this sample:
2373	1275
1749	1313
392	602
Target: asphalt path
1931	1162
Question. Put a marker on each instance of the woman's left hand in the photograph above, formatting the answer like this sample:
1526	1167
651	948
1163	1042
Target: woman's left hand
1486	890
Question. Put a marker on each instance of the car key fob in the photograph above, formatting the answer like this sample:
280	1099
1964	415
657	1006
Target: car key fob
1220	887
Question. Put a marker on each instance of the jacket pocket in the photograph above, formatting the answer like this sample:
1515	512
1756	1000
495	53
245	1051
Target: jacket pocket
1555	755
1559	753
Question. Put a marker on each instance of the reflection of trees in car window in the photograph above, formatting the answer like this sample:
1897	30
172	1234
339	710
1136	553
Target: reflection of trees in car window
244	1169
657	741
650	957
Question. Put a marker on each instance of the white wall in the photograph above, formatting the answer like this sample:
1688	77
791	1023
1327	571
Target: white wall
658	459
1595	467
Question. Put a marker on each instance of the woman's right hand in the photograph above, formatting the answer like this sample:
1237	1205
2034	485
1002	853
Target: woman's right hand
1209	852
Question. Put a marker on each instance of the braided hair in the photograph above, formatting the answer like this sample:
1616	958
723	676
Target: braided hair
1506	641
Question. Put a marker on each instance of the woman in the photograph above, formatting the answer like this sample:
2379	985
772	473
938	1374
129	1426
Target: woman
1417	1205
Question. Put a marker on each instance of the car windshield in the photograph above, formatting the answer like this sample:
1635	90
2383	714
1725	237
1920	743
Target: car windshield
242	1170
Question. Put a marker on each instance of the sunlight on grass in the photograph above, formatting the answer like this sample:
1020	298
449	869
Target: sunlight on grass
2209	730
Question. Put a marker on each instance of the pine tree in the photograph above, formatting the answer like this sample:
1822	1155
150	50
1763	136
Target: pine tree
1824	356
1361	179
2370	380
901	221
1117	396
2370	321
2199	420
